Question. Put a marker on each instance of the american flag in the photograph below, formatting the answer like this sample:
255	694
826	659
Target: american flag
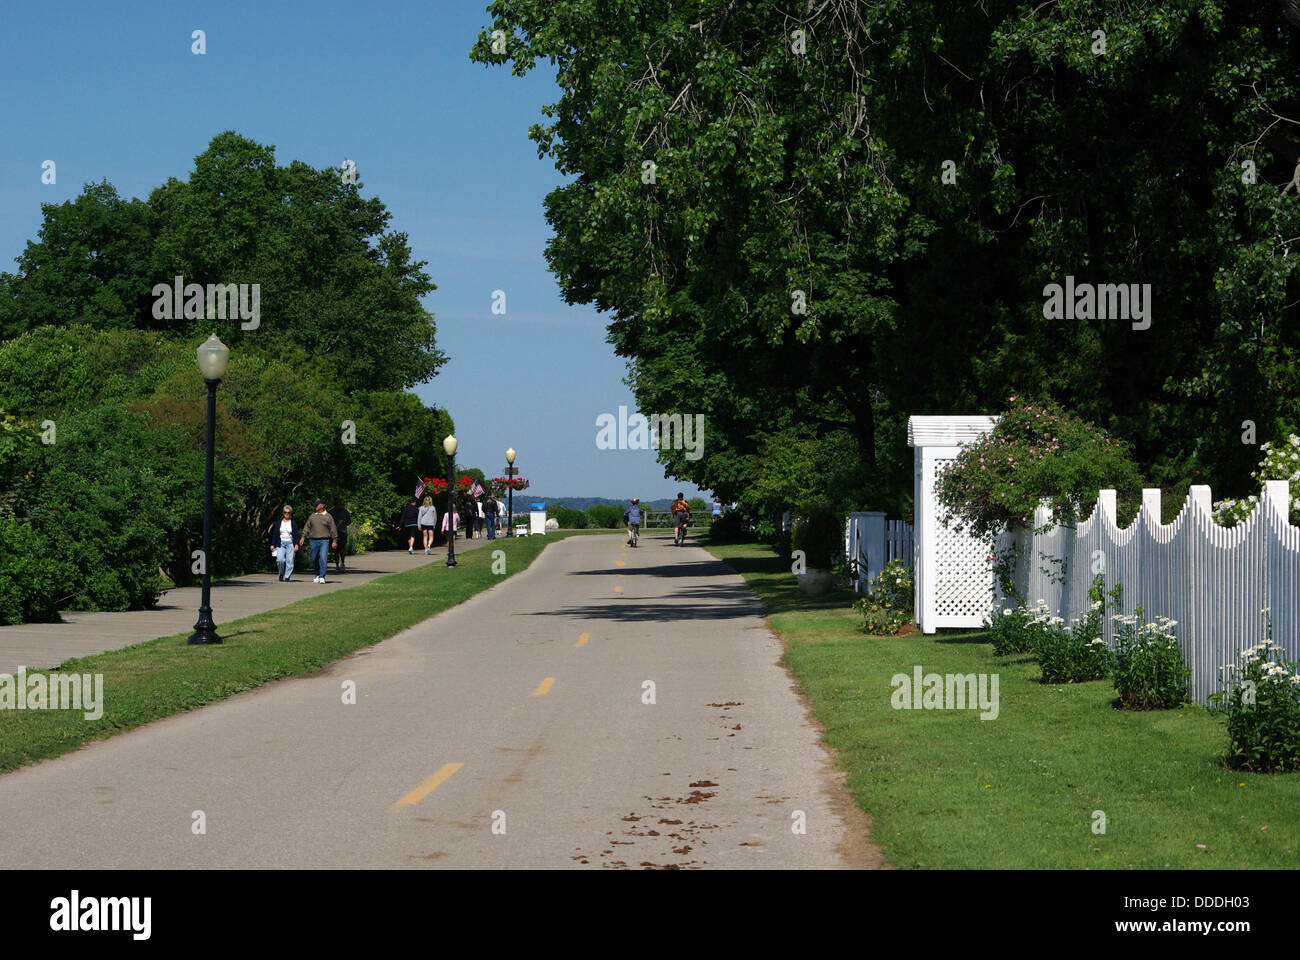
476	489
419	487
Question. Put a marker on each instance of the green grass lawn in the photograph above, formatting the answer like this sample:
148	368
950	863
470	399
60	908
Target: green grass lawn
165	676
948	790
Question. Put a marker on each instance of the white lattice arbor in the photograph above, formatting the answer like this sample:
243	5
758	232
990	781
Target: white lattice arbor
954	582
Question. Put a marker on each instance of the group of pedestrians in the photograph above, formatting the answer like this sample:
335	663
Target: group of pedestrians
479	510
323	531
419	521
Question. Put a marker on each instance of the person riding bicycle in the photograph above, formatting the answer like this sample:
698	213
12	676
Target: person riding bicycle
632	517
681	511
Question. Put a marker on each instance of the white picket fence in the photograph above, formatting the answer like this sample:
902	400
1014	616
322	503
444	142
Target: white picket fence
871	540
1213	580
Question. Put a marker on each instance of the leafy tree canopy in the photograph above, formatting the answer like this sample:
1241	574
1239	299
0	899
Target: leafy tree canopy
822	214
334	281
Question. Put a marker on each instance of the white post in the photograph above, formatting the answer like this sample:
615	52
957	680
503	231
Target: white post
928	524
1277	499
1151	502
1199	494
1109	500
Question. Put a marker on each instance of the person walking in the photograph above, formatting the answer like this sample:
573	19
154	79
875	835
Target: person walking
467	516
409	526
480	515
492	512
428	523
283	537
341	520
450	521
632	517
717	508
323	534
681	511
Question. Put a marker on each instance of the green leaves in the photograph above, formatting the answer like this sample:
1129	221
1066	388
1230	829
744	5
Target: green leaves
1035	452
333	280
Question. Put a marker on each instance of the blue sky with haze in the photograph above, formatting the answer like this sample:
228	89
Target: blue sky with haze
113	91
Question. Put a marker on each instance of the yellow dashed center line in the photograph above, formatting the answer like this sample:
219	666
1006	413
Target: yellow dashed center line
426	786
582	640
544	687
620	563
618	589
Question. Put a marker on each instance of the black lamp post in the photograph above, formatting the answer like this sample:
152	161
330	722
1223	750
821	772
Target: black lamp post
213	356
449	446
510	491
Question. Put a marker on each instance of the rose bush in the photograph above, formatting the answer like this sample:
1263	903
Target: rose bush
1034	452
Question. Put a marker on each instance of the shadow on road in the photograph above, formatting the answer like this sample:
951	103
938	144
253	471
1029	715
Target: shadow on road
694	568
706	602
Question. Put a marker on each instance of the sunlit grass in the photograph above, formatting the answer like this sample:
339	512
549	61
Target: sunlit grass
948	790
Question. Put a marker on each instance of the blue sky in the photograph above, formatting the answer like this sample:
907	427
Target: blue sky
113	91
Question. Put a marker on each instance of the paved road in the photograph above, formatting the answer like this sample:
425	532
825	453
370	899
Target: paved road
523	709
40	646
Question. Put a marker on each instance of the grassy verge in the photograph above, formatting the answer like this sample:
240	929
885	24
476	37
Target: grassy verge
947	790
158	678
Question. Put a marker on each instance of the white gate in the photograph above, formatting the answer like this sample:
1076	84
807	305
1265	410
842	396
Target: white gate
954	581
871	540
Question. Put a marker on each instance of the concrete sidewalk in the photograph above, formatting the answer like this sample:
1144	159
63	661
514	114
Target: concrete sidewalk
40	646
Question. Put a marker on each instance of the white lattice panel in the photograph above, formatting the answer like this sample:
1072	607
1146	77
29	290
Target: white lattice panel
954	581
963	588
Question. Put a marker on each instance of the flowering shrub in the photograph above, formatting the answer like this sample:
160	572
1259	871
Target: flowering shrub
1148	664
1279	463
1034	452
1261	698
1018	630
887	607
363	532
1079	654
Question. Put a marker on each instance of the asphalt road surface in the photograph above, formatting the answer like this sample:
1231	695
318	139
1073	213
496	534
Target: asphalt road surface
608	707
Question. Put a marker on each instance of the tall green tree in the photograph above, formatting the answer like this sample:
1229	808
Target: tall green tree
819	216
334	280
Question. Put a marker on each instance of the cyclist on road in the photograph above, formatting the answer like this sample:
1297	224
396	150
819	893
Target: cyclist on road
681	511
632	517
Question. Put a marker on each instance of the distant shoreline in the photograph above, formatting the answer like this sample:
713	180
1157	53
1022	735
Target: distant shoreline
582	503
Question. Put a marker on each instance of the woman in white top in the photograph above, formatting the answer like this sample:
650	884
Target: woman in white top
428	523
283	537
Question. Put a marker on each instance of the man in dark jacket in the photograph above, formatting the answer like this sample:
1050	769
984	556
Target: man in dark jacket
468	515
283	539
341	520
